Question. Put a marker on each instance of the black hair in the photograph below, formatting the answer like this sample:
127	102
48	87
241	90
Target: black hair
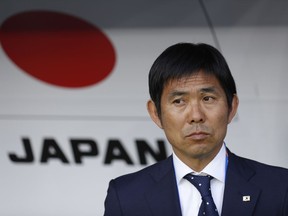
183	60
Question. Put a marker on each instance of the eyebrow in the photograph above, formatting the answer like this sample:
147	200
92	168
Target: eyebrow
209	90
179	93
202	90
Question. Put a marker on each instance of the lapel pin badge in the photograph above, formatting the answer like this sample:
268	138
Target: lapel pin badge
246	198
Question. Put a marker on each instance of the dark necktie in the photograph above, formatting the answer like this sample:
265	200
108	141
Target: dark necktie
202	183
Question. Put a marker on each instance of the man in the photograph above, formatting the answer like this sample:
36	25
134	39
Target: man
193	99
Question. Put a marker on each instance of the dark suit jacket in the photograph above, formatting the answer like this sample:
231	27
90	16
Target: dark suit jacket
153	191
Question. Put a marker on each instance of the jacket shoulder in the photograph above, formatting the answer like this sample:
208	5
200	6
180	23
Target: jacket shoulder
152	172
261	169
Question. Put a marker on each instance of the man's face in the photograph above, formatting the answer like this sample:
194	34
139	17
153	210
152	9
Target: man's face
194	117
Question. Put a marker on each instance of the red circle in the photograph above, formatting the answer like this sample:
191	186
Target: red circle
57	48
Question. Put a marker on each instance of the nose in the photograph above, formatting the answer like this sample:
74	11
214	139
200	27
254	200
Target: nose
195	113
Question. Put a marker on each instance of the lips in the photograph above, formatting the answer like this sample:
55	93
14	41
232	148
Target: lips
198	135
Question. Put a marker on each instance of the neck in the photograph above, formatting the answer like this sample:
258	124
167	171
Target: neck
197	162
197	165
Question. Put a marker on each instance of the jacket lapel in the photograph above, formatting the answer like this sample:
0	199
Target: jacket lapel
163	198
240	196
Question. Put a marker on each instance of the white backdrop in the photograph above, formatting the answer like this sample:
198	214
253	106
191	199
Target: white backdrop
114	110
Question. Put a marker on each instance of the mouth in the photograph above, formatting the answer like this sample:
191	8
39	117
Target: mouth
198	135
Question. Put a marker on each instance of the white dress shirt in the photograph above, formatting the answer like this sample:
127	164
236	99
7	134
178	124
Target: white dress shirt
190	198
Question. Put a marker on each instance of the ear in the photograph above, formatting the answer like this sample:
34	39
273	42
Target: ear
234	108
151	107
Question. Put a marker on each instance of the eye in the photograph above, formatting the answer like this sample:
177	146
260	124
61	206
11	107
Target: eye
178	101
209	99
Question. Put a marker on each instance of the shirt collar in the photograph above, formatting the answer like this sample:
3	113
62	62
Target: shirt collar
216	168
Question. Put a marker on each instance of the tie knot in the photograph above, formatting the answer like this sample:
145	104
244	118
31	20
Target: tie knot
202	183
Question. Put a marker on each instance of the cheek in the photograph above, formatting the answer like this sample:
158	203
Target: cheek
220	125
173	119
172	126
218	119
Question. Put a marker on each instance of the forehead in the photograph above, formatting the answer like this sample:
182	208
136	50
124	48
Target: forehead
195	81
